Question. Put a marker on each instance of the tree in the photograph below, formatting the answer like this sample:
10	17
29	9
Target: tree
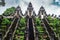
9	11
37	21
22	22
5	21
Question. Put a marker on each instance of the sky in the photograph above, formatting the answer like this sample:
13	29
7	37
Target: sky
51	6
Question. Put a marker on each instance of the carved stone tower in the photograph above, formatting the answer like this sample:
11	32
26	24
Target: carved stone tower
42	12
18	12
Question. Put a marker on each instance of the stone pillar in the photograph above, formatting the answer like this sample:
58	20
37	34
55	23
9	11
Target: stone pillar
0	36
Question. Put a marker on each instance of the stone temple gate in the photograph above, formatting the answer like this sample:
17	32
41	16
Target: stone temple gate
31	32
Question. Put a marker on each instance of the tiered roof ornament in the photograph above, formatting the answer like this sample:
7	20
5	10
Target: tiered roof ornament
29	11
18	8
42	11
19	11
30	7
42	8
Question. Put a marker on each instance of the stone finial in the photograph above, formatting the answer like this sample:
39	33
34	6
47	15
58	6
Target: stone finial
30	7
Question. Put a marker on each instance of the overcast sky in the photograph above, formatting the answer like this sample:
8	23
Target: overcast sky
49	5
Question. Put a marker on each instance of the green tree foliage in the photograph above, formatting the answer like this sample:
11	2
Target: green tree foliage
22	22
5	21
37	21
9	11
55	24
54	21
